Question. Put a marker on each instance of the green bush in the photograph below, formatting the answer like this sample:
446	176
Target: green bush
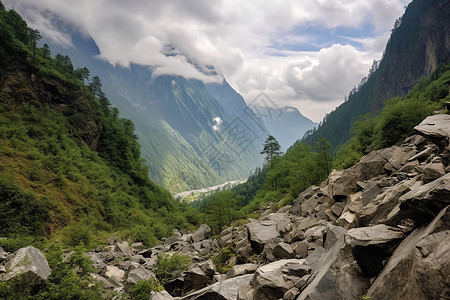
142	289
170	266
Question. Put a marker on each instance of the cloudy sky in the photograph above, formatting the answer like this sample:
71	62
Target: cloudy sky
302	53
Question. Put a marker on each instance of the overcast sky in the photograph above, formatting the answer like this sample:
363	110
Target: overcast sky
302	53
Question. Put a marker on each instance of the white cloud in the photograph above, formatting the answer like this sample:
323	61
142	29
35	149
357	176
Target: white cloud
239	38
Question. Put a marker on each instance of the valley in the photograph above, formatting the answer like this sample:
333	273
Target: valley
192	170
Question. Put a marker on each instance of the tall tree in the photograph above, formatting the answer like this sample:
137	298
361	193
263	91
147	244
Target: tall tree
96	86
323	146
83	73
46	51
271	148
34	36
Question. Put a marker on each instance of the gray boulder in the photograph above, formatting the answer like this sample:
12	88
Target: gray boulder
260	234
239	270
202	233
436	128
269	282
28	260
372	245
136	274
163	295
420	266
433	171
122	247
225	290
283	250
423	203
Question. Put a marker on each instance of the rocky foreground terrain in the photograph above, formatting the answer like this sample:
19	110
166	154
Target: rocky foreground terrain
380	229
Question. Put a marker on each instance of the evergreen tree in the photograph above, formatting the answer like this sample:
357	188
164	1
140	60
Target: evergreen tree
34	37
83	73
46	51
96	86
271	148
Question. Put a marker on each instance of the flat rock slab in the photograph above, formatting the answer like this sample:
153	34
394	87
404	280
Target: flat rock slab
374	235
435	127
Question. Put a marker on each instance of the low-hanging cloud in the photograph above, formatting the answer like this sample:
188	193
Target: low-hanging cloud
239	38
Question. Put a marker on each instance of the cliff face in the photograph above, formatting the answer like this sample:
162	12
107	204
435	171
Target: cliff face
419	43
416	48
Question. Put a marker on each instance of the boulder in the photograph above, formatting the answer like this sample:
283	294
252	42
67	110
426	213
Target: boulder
333	234
202	233
114	274
334	275
239	270
370	192
106	284
300	249
3	254
424	202
259	234
337	208
268	281
224	290
420	266
379	209
122	248
372	245
136	274
198	277
436	128
163	295
29	261
283	250
433	171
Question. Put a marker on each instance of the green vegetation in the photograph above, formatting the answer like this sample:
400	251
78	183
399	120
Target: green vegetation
278	183
398	118
271	149
143	289
69	280
170	266
222	257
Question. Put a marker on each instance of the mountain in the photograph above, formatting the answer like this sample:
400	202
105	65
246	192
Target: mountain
419	43
192	134
71	168
286	124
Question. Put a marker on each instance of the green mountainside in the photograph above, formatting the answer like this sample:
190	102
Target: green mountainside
174	121
419	43
70	167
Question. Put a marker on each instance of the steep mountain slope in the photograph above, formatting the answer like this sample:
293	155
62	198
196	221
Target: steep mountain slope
183	145
418	44
286	124
70	167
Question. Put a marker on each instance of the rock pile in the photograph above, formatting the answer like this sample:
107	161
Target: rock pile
379	229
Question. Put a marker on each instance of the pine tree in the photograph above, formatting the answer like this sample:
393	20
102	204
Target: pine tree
271	148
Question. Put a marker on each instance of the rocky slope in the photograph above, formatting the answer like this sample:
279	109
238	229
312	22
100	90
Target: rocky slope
380	229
